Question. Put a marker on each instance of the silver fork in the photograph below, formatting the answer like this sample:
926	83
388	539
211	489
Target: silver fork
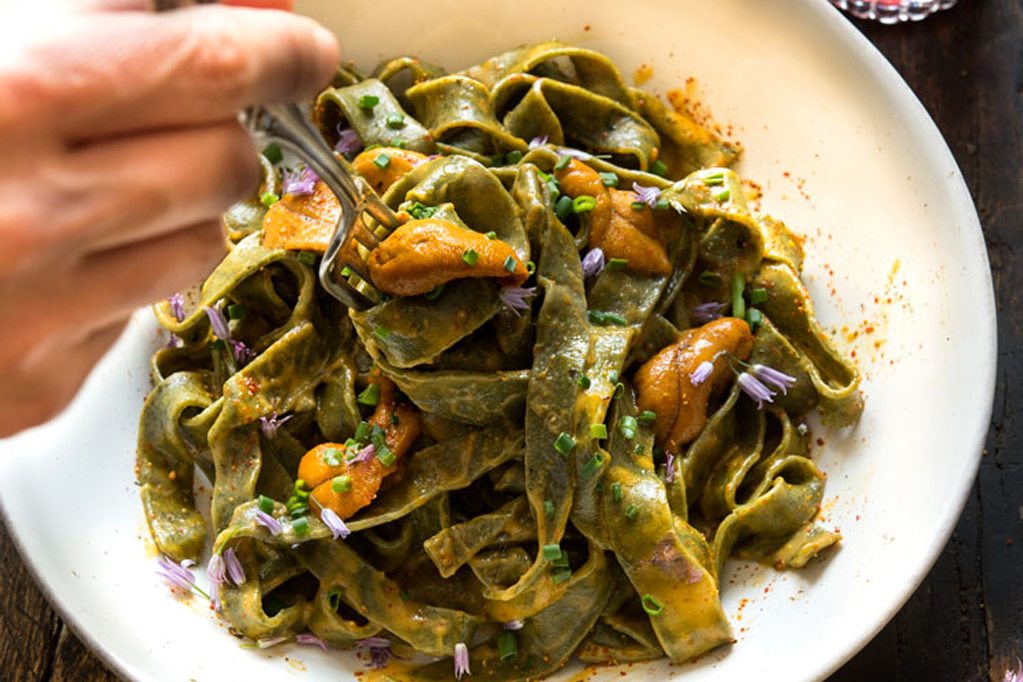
343	270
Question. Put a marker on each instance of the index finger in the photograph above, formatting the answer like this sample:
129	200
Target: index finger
123	72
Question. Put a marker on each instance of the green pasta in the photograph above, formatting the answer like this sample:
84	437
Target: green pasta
507	469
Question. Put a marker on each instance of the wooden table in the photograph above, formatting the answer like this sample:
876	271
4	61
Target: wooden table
966	620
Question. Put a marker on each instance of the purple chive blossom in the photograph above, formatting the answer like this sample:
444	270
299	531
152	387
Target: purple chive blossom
333	522
752	387
779	380
669	467
233	567
514	625
270	523
593	262
538	142
701	373
177	306
379	650
365	454
348	142
270	423
1014	675
575	153
242	353
310	638
218	322
216	571
268	642
517	298
706	312
461	660
300	182
177	575
648	195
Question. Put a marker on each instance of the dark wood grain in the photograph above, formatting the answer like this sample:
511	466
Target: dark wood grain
966	620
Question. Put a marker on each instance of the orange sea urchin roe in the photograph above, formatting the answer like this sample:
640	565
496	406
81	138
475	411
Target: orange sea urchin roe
319	467
664	385
422	254
302	222
381	174
617	228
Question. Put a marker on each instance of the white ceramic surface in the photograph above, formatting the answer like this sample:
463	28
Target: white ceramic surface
845	154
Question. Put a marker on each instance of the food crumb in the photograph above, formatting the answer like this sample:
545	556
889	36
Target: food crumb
643	74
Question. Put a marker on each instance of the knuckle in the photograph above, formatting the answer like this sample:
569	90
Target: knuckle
219	63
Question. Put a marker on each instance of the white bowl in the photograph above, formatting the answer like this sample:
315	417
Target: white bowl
845	154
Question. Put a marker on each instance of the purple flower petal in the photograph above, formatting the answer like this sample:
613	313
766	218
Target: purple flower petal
269	424
268	642
242	353
177	575
300	182
538	141
365	454
215	570
233	566
706	312
332	521
310	638
575	153
701	373
374	642
218	322
752	387
669	467
517	298
514	625
779	380
215	595
379	650
648	195
348	142
1014	675
461	660
177	306
593	262
270	523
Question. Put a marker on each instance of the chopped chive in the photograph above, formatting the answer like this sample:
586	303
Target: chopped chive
507	646
561	576
598	431
757	295
631	511
269	199
628	425
273	153
266	504
618	390
332	456
609	179
564	443
563	207
599	317
399	142
592	466
307	258
754	318
647	417
396	121
370	396
554	188
368	101
738	303
652	605
561	561
617	263
434	293
563	162
722	194
530	267
583	203
237	311
715	178
638	449
381	333
351	446
346	271
334	599
612	376
490	235
362	431
509	263
551	552
382	160
616	491
638	205
497	160
341	484
659	168
710	278
385	455
513	157
470	257
583	381
300	525
548	507
405	595
662	204
420	211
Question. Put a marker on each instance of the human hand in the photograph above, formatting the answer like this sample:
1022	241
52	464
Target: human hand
121	149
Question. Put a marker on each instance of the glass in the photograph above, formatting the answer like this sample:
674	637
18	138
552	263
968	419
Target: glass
892	11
